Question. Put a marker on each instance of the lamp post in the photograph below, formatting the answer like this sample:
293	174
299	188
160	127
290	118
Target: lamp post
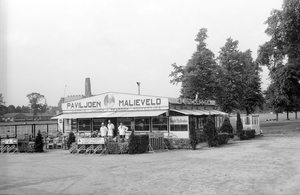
138	83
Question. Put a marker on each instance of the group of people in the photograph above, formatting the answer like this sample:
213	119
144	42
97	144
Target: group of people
108	131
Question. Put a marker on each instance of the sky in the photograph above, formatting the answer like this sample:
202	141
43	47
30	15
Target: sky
51	46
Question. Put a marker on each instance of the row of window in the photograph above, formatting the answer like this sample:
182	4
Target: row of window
138	124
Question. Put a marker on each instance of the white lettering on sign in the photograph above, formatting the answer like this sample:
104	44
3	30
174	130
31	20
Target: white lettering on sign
87	141
84	105
177	120
140	102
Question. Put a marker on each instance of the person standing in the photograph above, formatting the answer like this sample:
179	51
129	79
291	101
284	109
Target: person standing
110	128
103	130
122	129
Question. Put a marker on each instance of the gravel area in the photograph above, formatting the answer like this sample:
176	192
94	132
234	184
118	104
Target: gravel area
264	165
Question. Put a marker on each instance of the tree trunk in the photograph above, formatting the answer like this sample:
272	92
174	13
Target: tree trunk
276	116
287	115
296	114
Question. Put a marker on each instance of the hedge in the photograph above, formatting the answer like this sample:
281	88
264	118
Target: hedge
178	143
222	138
117	148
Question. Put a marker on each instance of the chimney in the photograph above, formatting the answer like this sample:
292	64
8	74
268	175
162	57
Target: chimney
88	92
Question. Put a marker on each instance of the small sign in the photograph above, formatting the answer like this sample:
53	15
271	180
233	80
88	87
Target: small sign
156	135
95	140
178	120
9	141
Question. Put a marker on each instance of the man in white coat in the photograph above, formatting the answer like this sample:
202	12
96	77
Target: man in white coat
110	128
103	130
122	129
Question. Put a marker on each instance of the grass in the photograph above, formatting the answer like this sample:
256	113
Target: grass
280	127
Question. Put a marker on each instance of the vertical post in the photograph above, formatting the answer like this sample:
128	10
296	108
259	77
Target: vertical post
138	83
16	127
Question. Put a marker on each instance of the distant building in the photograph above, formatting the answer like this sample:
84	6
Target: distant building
17	117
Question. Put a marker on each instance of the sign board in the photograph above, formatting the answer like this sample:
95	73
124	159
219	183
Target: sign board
156	135
9	141
95	140
178	120
113	102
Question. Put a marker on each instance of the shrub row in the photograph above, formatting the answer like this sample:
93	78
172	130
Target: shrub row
117	148
138	143
178	143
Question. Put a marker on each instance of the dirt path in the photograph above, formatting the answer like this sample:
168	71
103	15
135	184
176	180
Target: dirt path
265	165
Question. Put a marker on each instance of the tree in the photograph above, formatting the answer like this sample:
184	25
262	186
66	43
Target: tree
227	127
38	143
199	75
281	54
193	137
210	132
18	109
1	99
239	126
11	109
25	109
35	103
3	108
241	81
71	139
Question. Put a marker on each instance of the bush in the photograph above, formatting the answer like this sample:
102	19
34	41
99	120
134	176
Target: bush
222	138
71	139
210	132
227	127
22	146
247	134
38	143
178	143
117	148
138	143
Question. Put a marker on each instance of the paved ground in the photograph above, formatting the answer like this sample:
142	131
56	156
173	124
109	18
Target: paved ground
264	165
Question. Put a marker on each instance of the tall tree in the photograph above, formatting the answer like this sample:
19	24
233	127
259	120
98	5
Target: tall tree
1	99
11	109
241	83
281	54
199	75
36	105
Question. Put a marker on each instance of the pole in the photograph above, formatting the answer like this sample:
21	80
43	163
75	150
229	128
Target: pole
138	83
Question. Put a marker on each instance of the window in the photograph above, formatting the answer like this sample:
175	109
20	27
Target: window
74	125
159	124
84	124
178	127
97	123
142	124
201	122
128	122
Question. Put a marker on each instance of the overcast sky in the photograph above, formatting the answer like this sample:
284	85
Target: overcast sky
51	46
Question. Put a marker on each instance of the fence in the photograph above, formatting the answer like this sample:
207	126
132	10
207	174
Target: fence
156	142
249	122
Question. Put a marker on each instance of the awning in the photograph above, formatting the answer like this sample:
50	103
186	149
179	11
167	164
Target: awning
83	115
137	113
200	112
110	114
